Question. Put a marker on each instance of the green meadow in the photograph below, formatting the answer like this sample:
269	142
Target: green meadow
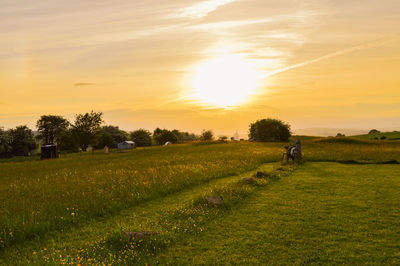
340	206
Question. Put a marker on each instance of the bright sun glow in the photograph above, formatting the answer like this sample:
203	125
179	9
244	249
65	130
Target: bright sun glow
225	81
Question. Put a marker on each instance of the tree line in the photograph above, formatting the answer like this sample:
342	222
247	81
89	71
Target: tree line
86	130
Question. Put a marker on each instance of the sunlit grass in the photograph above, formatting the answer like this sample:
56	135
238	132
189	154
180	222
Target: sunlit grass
40	200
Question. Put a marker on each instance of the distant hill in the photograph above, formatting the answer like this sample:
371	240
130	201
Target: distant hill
326	132
394	135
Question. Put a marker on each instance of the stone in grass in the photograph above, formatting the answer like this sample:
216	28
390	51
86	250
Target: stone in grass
262	174
215	200
135	236
248	180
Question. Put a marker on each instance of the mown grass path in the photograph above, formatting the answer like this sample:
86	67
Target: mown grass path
323	213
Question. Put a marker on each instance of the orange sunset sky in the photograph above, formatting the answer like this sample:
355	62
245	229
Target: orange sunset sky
213	64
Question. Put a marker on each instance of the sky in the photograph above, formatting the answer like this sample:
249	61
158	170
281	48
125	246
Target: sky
144	64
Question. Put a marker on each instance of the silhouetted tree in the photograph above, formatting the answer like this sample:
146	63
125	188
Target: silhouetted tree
67	141
110	136
5	143
223	138
141	137
164	136
206	135
269	130
87	129
22	141
50	128
184	136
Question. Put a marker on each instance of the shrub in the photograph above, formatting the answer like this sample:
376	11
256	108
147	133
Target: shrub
374	131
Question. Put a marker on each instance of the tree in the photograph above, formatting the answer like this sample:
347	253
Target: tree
338	135
141	137
164	136
110	136
269	130
87	129
67	141
5	143
105	139
206	135
157	131
50	128
22	140
223	138
184	136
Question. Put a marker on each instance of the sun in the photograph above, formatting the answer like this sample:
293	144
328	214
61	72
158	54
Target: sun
226	81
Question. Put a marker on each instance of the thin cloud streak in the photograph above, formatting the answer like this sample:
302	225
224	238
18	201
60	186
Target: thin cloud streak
230	24
338	53
83	84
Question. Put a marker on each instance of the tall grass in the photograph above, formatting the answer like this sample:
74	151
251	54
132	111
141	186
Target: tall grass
40	196
337	149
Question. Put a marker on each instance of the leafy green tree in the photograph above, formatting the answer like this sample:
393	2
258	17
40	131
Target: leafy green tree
67	141
157	131
110	136
50	128
269	130
117	134
184	136
22	140
5	143
105	139
87	129
206	135
141	137
164	136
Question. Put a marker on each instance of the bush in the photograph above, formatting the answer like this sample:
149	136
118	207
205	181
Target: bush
141	137
374	131
269	130
223	138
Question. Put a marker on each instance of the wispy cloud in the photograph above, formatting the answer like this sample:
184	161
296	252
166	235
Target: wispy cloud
337	53
229	24
83	84
202	9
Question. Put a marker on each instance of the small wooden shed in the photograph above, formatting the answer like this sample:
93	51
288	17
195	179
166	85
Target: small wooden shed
48	151
126	145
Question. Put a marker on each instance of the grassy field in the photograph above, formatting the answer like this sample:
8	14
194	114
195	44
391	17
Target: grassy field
75	209
395	135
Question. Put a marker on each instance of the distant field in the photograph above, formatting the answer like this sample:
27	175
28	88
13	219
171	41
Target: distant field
74	209
388	135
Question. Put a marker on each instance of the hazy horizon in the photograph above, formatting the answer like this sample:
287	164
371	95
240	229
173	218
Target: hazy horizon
147	64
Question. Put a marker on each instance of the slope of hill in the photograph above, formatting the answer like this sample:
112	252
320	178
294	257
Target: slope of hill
394	135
